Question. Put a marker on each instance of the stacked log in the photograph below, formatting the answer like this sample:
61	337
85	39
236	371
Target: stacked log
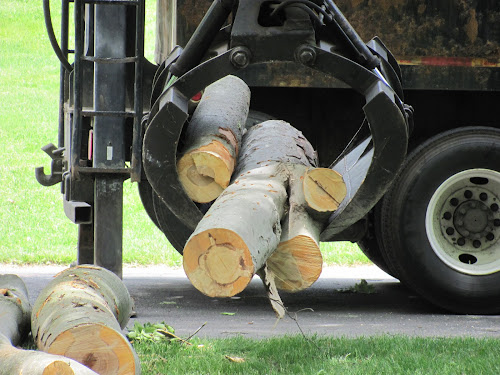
313	192
213	138
15	312
80	315
264	211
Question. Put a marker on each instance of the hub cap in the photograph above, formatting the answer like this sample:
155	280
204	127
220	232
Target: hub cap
463	222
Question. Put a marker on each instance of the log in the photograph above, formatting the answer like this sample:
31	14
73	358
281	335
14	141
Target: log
15	312
297	262
242	228
80	314
213	139
324	189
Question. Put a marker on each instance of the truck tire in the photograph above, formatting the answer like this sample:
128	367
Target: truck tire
371	244
441	221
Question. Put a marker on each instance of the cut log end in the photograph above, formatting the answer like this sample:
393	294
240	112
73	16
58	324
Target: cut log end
296	264
205	172
218	262
100	348
58	368
324	189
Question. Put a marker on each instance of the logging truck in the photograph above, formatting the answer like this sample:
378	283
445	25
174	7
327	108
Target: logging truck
264	127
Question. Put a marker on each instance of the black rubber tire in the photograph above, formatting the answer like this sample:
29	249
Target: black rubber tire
371	244
403	220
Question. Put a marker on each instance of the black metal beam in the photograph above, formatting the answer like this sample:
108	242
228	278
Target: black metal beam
109	135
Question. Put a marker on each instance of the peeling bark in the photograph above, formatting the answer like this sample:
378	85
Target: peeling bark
80	315
15	312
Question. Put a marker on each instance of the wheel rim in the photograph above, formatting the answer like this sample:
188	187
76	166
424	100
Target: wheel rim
463	222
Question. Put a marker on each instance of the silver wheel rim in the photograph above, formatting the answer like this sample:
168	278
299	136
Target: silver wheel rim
463	222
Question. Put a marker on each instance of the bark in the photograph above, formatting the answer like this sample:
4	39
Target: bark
15	312
269	280
297	262
242	228
15	309
80	315
213	139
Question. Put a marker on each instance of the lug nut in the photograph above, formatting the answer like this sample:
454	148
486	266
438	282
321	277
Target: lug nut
447	216
483	196
463	211
461	241
450	231
490	236
454	202
468	194
496	222
465	233
476	244
494	207
459	223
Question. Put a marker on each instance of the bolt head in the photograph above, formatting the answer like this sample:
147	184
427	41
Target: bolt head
306	55
240	58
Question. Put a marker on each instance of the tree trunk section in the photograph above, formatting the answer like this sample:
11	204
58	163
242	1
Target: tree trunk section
213	139
297	262
15	309
80	315
324	189
242	228
15	312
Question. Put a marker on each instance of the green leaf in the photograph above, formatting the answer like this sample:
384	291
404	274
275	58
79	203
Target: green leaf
149	332
228	313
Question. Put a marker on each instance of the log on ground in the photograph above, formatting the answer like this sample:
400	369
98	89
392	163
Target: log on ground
242	228
213	139
15	313
80	315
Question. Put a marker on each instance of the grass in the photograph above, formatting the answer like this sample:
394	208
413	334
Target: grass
33	227
324	355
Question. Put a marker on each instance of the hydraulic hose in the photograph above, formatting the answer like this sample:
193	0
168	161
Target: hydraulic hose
203	36
365	55
52	37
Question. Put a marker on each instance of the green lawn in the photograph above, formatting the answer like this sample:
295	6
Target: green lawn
34	228
323	355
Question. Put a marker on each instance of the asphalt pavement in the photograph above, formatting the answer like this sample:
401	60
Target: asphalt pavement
331	306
